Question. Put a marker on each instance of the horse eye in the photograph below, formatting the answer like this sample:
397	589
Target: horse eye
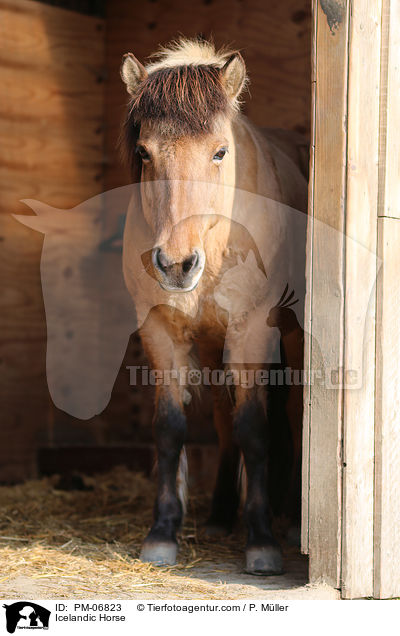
217	158
143	154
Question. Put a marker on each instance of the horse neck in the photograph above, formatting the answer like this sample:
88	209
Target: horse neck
255	167
272	171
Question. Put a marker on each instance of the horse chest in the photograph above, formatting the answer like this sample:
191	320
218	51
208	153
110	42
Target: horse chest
209	324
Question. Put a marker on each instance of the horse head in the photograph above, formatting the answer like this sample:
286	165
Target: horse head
179	141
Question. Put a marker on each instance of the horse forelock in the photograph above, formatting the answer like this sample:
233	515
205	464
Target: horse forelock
183	100
182	95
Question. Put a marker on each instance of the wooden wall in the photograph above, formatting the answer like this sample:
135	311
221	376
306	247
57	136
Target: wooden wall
386	575
51	149
352	459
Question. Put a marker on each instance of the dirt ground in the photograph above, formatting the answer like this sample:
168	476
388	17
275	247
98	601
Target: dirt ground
80	538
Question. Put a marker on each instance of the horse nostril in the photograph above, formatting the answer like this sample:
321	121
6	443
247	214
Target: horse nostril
190	263
159	259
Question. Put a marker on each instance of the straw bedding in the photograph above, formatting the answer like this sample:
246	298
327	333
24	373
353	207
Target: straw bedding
84	543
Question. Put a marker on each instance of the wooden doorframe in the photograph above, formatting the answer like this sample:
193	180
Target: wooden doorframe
351	451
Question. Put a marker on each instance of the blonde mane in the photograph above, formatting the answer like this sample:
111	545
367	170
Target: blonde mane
186	52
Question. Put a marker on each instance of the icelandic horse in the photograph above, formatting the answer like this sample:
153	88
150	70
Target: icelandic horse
197	160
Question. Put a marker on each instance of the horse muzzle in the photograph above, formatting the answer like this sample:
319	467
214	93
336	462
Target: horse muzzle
180	276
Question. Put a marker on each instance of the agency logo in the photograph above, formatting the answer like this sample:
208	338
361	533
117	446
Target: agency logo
26	615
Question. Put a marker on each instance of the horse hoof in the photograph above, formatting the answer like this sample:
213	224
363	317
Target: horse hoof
159	553
264	561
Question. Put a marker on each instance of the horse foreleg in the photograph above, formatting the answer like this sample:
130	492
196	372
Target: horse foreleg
160	546
169	429
226	495
263	555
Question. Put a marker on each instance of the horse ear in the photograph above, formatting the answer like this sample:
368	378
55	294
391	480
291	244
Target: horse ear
234	75
132	72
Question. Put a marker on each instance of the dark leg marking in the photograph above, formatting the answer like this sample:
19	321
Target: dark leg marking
263	555
225	501
160	546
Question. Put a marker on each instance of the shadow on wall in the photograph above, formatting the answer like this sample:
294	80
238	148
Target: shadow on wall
51	118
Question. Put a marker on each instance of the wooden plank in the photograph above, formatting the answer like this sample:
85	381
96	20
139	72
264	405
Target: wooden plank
51	111
48	187
387	444
51	117
389	161
360	276
387	440
327	292
23	390
35	35
305	487
56	97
